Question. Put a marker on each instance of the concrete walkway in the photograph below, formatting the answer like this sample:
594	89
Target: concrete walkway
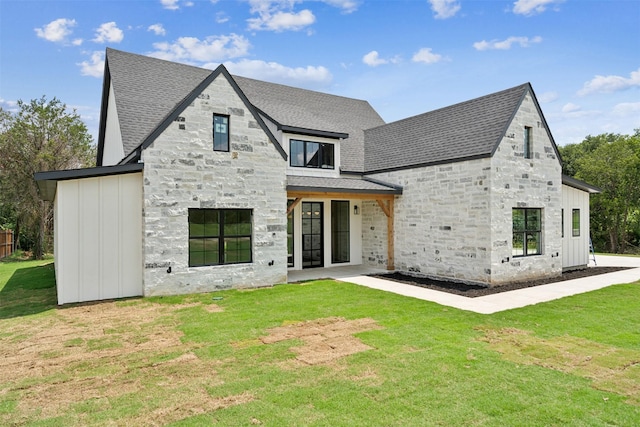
490	303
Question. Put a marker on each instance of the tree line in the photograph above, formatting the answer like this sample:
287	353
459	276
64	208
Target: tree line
42	135
612	163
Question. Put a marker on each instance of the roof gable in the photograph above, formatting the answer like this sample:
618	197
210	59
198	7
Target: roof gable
151	93
468	130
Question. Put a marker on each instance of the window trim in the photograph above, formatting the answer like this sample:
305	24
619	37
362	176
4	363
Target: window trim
221	236
575	232
528	142
525	232
305	153
213	126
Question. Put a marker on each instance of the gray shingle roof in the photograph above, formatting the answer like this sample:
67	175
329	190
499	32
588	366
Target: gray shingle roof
316	110
148	89
470	129
355	185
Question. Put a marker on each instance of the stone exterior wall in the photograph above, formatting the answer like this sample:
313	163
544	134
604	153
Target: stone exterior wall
530	183
442	221
182	171
374	235
455	220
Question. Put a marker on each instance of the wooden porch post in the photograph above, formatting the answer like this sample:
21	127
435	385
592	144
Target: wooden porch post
387	208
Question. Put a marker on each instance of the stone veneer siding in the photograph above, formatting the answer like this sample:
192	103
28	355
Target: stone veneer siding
455	220
530	183
182	171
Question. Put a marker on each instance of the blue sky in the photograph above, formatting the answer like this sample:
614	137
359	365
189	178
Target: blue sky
404	57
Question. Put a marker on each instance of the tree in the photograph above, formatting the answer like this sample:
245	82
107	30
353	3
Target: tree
41	136
611	162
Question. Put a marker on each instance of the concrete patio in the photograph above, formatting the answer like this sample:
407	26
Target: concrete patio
485	304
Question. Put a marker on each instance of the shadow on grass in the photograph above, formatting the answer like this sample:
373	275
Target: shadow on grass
29	290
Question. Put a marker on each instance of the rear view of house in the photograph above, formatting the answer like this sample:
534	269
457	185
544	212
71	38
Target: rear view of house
208	181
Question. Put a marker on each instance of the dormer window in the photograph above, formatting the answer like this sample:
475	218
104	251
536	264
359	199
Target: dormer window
308	154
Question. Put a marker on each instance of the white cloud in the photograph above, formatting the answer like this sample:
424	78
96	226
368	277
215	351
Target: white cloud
221	18
170	4
157	29
628	109
347	6
425	55
278	73
506	44
282	21
108	33
373	59
608	84
11	106
548	97
56	31
532	7
77	42
444	8
570	108
192	49
94	67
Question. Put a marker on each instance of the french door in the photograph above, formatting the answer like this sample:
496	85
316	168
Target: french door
312	234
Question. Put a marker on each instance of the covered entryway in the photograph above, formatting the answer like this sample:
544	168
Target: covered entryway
325	220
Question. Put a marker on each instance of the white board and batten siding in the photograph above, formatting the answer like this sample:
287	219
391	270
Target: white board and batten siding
575	249
98	238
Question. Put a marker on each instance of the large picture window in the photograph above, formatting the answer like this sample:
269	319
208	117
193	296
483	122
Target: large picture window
308	154
220	133
219	236
527	232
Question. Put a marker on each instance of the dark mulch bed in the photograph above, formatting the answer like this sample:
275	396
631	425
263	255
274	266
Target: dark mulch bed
473	291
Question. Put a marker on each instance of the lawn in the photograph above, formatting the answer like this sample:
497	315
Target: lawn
321	353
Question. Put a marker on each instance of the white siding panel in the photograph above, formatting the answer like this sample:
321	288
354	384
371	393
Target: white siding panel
130	243
575	250
99	238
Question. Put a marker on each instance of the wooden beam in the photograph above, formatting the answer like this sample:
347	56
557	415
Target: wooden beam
338	196
384	206
293	205
390	237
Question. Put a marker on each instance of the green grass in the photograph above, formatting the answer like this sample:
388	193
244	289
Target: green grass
192	360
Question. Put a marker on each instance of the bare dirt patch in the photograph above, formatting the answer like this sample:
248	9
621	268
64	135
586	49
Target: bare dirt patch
91	353
325	340
610	368
473	291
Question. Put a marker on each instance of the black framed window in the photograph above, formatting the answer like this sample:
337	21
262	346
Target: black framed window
527	232
309	154
220	132
562	214
528	142
219	236
575	222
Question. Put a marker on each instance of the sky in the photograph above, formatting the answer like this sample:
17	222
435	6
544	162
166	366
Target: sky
405	57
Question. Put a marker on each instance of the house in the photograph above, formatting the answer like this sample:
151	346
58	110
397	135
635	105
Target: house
208	181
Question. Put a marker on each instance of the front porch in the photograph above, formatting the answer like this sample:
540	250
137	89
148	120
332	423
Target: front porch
325	227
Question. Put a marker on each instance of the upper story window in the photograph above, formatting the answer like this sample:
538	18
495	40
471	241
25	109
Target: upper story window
528	149
308	154
527	232
220	132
